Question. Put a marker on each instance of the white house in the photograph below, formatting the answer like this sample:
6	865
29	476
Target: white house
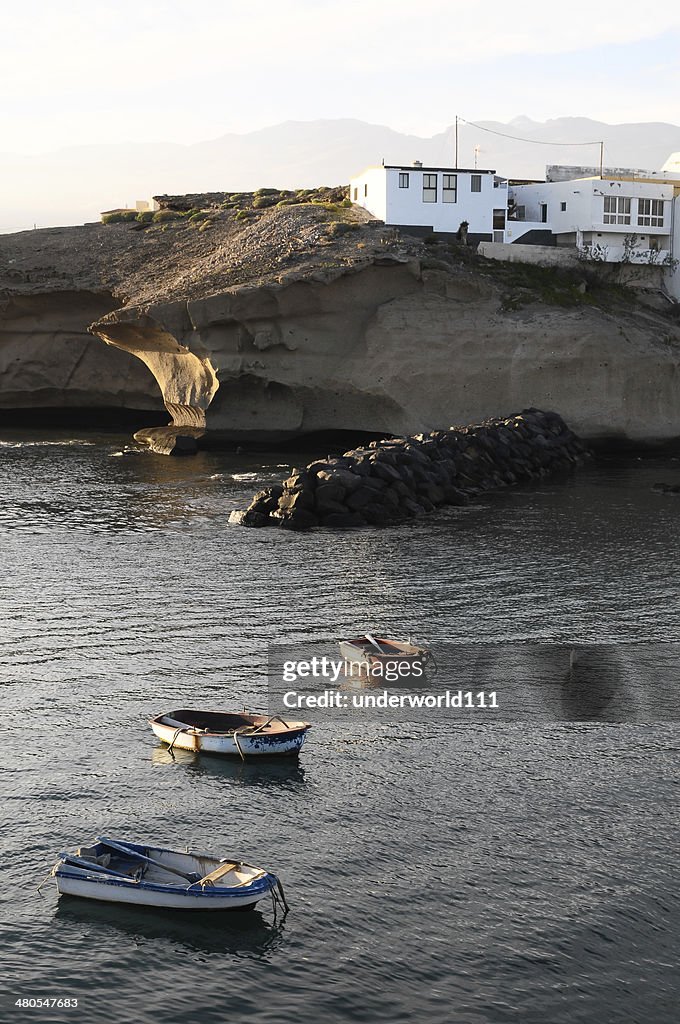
147	205
434	200
597	215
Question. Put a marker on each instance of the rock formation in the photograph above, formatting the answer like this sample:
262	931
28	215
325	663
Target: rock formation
48	360
404	477
266	323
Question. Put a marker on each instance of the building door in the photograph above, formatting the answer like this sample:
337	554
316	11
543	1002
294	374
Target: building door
544	213
499	225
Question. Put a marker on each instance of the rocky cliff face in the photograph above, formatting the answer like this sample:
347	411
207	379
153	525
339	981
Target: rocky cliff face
393	347
48	360
286	325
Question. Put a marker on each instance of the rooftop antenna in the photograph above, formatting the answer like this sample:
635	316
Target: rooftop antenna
476	152
456	147
601	159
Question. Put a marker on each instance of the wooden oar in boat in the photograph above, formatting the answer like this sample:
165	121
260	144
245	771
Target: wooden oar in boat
81	862
191	876
375	643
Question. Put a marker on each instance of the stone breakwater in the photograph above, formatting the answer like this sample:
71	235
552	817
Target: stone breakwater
405	477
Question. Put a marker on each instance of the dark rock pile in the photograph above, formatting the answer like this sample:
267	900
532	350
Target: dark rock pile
405	477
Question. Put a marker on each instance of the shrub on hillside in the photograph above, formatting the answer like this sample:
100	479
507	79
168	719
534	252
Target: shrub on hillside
336	228
119	217
164	216
259	202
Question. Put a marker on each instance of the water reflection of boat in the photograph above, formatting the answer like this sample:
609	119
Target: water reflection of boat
279	771
117	871
229	732
201	931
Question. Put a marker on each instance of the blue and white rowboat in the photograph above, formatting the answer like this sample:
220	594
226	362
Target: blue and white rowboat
229	732
155	876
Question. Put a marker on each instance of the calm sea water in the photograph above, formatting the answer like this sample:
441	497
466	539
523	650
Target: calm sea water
438	870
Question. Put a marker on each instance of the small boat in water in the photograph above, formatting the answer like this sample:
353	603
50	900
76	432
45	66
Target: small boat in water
377	655
154	876
229	732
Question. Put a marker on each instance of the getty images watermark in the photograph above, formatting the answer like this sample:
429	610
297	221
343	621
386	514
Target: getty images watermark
382	699
341	675
485	682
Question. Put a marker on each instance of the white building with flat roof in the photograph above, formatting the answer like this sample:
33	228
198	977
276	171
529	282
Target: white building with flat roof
434	200
597	215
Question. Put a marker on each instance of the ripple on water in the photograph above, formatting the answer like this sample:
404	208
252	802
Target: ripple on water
485	872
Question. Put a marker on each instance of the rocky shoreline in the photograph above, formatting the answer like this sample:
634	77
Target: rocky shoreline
401	478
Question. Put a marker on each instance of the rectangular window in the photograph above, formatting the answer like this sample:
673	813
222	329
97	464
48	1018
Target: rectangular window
616	210
449	188
356	194
365	190
475	183
403	179
429	188
563	207
650	213
543	208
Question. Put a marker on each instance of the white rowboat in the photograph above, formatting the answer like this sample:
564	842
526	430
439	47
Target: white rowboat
229	732
154	876
377	654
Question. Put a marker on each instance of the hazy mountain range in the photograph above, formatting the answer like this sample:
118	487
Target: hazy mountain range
73	185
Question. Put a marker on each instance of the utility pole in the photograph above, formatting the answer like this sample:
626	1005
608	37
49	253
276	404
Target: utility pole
601	159
456	151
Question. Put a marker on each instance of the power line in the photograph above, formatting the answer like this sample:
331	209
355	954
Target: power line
516	138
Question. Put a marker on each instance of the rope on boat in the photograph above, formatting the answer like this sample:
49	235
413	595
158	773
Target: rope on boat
261	728
174	737
238	745
431	658
279	898
282	894
45	879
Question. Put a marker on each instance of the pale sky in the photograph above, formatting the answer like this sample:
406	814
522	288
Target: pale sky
81	72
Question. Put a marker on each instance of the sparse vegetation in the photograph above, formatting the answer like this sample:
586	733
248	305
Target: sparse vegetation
527	283
164	216
261	201
119	217
336	228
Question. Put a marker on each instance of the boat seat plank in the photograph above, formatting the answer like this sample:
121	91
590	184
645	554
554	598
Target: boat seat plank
219	872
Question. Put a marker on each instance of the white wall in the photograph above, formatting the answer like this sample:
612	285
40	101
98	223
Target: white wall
395	205
584	205
368	190
672	274
576	194
539	255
